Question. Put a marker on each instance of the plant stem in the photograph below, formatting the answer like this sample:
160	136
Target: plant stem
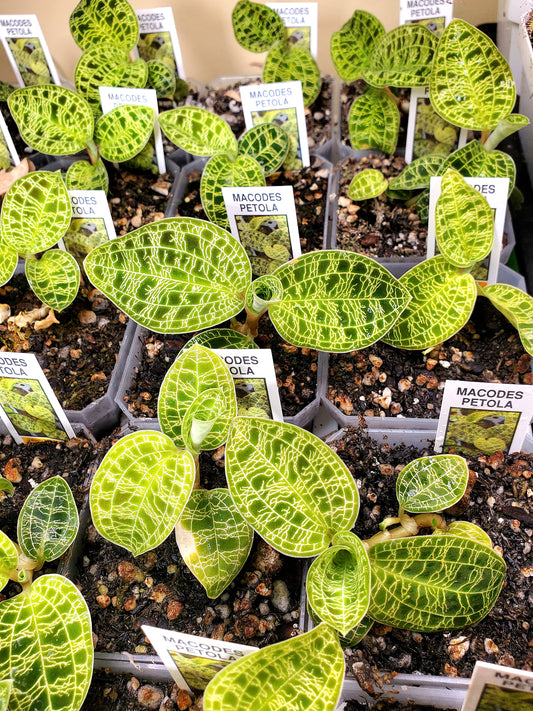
484	136
409	526
393	96
196	456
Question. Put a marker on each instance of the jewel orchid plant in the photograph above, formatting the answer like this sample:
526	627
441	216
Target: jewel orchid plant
46	657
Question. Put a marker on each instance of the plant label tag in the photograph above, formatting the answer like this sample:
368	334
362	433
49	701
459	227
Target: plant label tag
493	687
28	406
495	190
27	50
8	152
158	38
254	376
280	103
436	15
427	130
193	661
301	23
483	418
113	96
91	223
264	221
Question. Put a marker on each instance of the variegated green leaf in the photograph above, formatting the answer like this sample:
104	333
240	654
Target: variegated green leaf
471	84
8	558
55	278
198	131
267	143
294	63
338	583
430	583
82	175
36	212
367	184
516	306
289	485
140	489
473	159
8	263
173	276
213	538
417	174
256	27
443	299
52	119
48	521
351	638
374	121
432	483
305	672
506	127
5	692
422	205
336	301
6	486
351	46
464	222
225	171
111	21
221	338
402	57
162	78
124	132
195	371
465	529
47	648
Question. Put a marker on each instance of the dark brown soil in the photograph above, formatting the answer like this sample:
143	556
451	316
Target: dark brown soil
380	227
386	381
501	503
121	692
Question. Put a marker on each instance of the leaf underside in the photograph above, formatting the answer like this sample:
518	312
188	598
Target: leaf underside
55	278
297	63
374	121
351	46
432	483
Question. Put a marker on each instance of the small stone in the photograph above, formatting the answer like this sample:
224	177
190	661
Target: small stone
263	589
36	463
133	685
404	385
98	376
130	604
141	649
491	647
115	201
12	470
174	609
75	353
266	559
527	571
103	600
386	398
396	408
421	379
375	360
150	697
136	221
86	317
183	700
223	611
458	647
280	596
160	592
162	187
431	363
129	572
445	363
506	660
450	671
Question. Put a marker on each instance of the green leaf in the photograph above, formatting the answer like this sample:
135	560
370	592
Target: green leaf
82	175
196	371
6	486
198	131
402	57
162	78
464	222
8	558
516	306
289	485
225	171
55	278
506	127
256	27
338	583
432	483
267	143
369	183
336	301
214	539
48	647
200	418
52	119
112	21
221	338
442	301
351	47
473	159
471	84
305	672
5	692
296	63
124	132
374	121
173	276
422	205
430	583
36	212
48	521
8	263
465	529
5	90
140	489
417	174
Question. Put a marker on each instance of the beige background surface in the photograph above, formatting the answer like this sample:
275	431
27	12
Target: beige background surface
206	37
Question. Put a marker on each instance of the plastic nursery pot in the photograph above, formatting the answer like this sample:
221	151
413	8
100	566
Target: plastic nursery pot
508	34
526	96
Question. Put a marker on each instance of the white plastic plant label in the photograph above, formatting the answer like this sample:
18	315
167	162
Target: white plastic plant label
493	687
113	96
91	223
28	406
264	221
483	418
158	38
193	661
8	152
254	376
427	132
280	103
301	23
433	14
495	190
27	50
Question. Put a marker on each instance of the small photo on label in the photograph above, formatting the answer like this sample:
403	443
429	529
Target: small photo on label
84	235
299	37
5	156
30	59
436	25
29	410
475	432
433	135
286	119
197	671
266	240
252	397
495	698
157	46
